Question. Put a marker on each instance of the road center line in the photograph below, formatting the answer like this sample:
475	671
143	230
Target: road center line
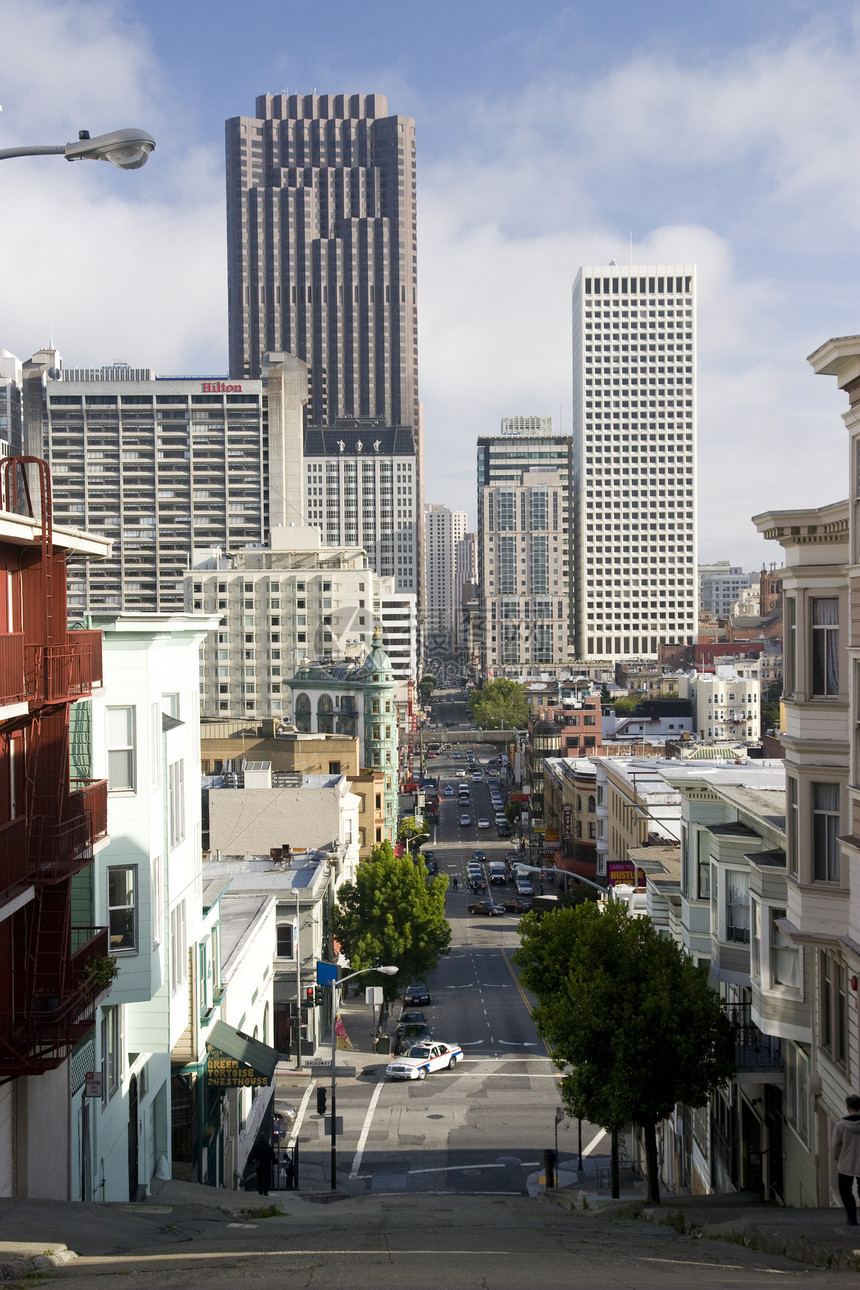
301	1113
598	1137
365	1129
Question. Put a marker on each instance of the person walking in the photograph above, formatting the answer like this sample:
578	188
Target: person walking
845	1149
262	1157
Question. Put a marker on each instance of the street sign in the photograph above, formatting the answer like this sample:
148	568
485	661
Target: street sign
93	1087
326	973
338	1125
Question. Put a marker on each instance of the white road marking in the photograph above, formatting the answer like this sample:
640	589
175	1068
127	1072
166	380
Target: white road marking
598	1137
365	1129
300	1114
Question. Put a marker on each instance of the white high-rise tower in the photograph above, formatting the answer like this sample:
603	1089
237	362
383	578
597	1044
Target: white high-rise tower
634	431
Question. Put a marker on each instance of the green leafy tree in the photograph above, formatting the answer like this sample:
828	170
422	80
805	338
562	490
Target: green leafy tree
770	706
427	685
605	696
625	706
630	1017
392	913
499	705
412	830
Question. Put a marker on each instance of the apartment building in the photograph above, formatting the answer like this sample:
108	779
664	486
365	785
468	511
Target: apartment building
634	451
720	586
444	531
727	704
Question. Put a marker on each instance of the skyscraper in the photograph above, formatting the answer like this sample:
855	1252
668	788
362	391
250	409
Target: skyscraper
523	553
444	529
634	430
321	243
321	247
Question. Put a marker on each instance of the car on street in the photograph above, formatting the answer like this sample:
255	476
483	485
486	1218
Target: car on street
407	1035
449	790
465	819
483	823
479	855
524	887
477	776
488	908
516	905
411	1017
424	1058
418	996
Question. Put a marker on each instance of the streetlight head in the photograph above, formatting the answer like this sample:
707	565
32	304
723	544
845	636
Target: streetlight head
387	971
128	149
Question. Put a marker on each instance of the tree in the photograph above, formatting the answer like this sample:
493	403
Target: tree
499	705
770	705
412	830
629	1015
427	685
392	913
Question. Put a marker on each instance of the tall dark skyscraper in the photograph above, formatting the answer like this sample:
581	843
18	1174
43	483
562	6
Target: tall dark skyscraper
321	236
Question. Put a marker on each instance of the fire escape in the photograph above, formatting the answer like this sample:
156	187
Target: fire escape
49	821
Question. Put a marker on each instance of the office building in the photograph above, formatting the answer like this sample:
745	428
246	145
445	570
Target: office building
444	530
720	587
361	489
322	253
634	432
322	243
11	405
523	546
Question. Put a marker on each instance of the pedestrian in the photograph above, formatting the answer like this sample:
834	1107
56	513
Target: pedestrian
845	1149
262	1157
455	883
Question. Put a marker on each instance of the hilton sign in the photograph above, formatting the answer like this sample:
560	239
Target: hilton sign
219	387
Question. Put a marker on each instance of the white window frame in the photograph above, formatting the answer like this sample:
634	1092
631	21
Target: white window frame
178	948
126	913
119	745
176	802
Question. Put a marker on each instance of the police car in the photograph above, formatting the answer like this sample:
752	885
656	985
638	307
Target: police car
423	1058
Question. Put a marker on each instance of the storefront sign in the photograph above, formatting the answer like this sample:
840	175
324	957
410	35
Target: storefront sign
567	819
623	873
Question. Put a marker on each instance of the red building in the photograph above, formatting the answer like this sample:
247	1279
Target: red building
49	823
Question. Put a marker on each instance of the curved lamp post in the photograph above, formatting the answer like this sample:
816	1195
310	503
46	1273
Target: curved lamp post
128	149
386	971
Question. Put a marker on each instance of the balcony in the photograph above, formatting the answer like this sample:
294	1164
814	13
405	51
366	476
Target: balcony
55	673
13	687
89	798
754	1050
41	1036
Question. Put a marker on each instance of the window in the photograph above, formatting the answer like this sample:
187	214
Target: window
703	849
121	749
797	1090
111	1041
122	908
825	646
790	644
737	906
792	824
176	801
825	832
178	948
833	1007
784	957
157	901
285	940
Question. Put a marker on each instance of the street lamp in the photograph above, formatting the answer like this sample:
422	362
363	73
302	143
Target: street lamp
335	985
128	149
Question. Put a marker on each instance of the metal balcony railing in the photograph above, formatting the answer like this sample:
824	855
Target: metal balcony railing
68	671
754	1050
60	850
89	798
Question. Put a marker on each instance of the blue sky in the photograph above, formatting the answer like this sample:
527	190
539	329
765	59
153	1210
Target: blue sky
722	133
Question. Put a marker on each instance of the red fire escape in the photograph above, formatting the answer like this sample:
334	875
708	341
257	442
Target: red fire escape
48	823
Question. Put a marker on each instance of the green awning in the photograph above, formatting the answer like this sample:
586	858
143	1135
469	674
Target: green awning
236	1060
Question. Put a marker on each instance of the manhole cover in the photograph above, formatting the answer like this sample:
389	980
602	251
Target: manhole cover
435	1117
508	1160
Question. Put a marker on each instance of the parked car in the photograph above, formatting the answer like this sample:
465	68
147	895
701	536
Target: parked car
487	907
411	1017
407	1036
417	995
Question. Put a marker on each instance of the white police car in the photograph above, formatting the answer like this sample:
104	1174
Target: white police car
423	1058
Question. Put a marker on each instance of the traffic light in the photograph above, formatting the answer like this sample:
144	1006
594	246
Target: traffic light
309	997
321	1099
319	997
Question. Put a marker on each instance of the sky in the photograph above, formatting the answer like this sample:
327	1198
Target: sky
716	132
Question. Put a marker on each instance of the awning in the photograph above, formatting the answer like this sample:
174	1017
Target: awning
238	1061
